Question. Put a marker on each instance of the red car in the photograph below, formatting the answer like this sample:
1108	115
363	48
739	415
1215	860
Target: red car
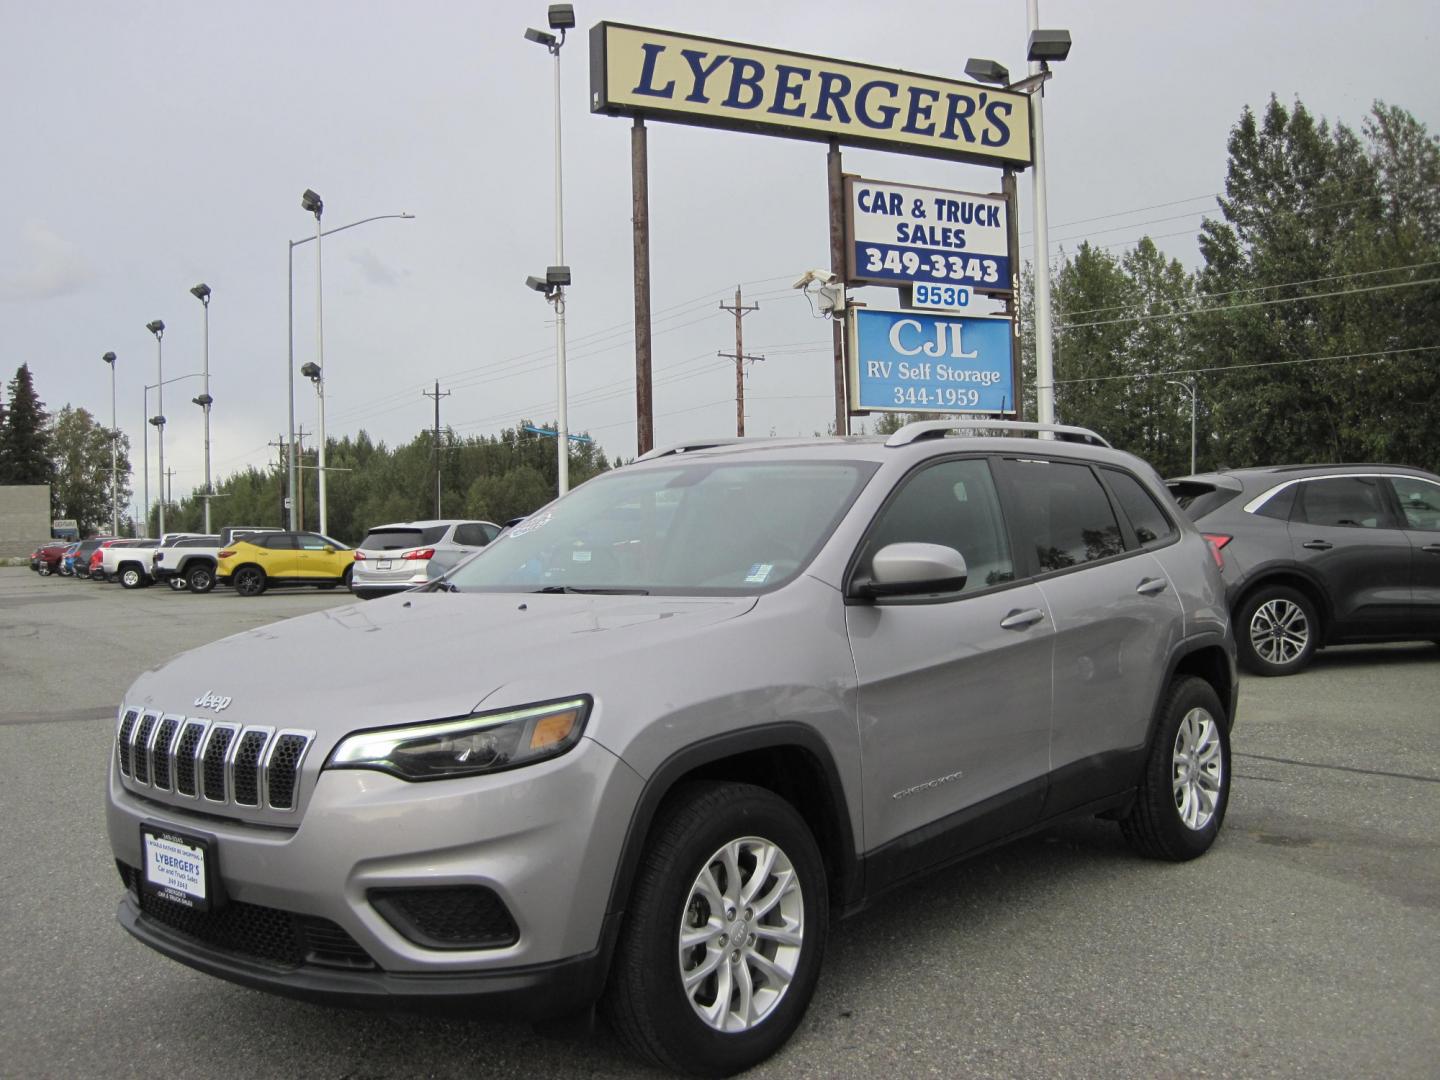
46	559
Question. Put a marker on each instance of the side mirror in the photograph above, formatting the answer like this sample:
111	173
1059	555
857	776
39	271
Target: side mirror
910	569
329	550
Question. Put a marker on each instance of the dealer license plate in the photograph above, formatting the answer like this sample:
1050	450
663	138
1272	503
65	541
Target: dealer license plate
176	867
384	564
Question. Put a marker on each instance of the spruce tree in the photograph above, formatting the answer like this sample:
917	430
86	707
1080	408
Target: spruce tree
24	437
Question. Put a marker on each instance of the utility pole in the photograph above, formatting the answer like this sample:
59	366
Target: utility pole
741	310
300	434
435	441
282	457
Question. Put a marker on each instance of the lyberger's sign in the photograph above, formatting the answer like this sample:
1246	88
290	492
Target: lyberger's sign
640	72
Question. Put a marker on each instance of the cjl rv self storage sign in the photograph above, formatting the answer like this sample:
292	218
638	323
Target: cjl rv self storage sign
913	361
899	234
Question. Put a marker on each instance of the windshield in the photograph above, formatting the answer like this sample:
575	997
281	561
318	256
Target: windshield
695	528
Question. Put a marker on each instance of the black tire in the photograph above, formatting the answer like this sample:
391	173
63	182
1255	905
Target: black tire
646	1001
131	576
1276	631
1156	826
200	578
249	581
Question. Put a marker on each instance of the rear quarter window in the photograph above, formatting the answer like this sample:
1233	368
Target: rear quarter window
1198	499
1151	524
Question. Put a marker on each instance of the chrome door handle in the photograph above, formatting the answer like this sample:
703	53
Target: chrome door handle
1020	620
1151	586
1318	545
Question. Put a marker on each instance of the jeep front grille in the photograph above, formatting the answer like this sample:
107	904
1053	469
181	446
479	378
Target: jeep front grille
211	761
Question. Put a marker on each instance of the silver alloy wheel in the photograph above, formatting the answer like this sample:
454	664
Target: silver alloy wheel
1279	631
741	934
1197	769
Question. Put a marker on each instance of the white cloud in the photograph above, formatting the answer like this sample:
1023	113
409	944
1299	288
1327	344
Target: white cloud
51	266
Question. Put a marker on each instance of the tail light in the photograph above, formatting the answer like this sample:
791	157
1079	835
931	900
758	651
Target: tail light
419	553
95	559
359	556
1217	542
224	554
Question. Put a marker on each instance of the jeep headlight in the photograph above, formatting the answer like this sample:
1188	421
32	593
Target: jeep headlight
467	745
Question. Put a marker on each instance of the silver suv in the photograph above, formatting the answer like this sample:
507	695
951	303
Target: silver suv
404	554
647	744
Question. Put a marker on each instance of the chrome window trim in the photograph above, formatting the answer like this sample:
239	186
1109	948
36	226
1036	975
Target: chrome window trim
1265	496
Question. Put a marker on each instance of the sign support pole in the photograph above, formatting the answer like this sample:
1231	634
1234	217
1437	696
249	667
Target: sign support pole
640	227
1012	305
837	267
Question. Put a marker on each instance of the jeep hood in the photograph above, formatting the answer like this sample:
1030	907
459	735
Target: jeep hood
420	656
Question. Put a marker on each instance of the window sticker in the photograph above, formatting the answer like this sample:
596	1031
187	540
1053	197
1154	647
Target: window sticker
758	573
530	524
580	556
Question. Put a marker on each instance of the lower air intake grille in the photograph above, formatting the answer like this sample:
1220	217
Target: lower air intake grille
253	930
448	917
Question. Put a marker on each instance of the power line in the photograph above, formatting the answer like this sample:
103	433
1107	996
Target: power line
1242	367
1254	304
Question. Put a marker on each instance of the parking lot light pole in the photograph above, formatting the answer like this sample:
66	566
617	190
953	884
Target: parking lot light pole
109	359
561	17
158	329
292	479
201	292
312	203
1189	388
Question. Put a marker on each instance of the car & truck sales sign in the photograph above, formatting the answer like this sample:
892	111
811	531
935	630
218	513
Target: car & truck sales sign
899	234
915	361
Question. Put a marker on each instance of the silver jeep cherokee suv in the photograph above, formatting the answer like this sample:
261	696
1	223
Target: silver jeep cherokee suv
671	724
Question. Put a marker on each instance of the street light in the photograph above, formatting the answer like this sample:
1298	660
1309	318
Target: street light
201	292
1189	387
109	359
561	17
311	203
158	329
290	371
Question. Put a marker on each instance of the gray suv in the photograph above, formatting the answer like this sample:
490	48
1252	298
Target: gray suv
1316	555
399	556
645	746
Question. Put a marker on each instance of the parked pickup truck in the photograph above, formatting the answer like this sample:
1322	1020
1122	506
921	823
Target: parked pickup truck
131	565
122	553
190	563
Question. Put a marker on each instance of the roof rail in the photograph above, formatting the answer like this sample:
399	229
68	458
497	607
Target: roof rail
935	429
691	445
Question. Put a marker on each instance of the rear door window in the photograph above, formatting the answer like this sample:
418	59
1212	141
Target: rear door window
1151	524
1355	502
277	541
475	533
1065	516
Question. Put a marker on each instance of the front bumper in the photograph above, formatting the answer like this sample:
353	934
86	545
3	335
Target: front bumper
545	839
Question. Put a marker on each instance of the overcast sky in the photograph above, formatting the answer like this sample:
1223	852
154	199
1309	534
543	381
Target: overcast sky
151	146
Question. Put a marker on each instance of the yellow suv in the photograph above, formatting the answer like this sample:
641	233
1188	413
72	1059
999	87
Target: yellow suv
254	564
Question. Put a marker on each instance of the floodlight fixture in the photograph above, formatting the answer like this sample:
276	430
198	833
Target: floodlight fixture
540	285
204	400
541	38
1048	46
557	275
562	17
157	327
312	203
311	371
109	358
987	71
158	421
201	292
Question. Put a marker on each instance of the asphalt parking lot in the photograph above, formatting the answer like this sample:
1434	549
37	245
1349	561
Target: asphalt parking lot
1307	943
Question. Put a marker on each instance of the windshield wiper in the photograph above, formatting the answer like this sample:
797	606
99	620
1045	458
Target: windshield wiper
593	590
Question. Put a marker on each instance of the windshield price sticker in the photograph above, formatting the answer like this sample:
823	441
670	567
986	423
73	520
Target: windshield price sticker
175	868
901	234
917	362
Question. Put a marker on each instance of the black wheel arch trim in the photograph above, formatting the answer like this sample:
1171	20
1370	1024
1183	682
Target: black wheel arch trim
848	887
1211	642
1283	575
